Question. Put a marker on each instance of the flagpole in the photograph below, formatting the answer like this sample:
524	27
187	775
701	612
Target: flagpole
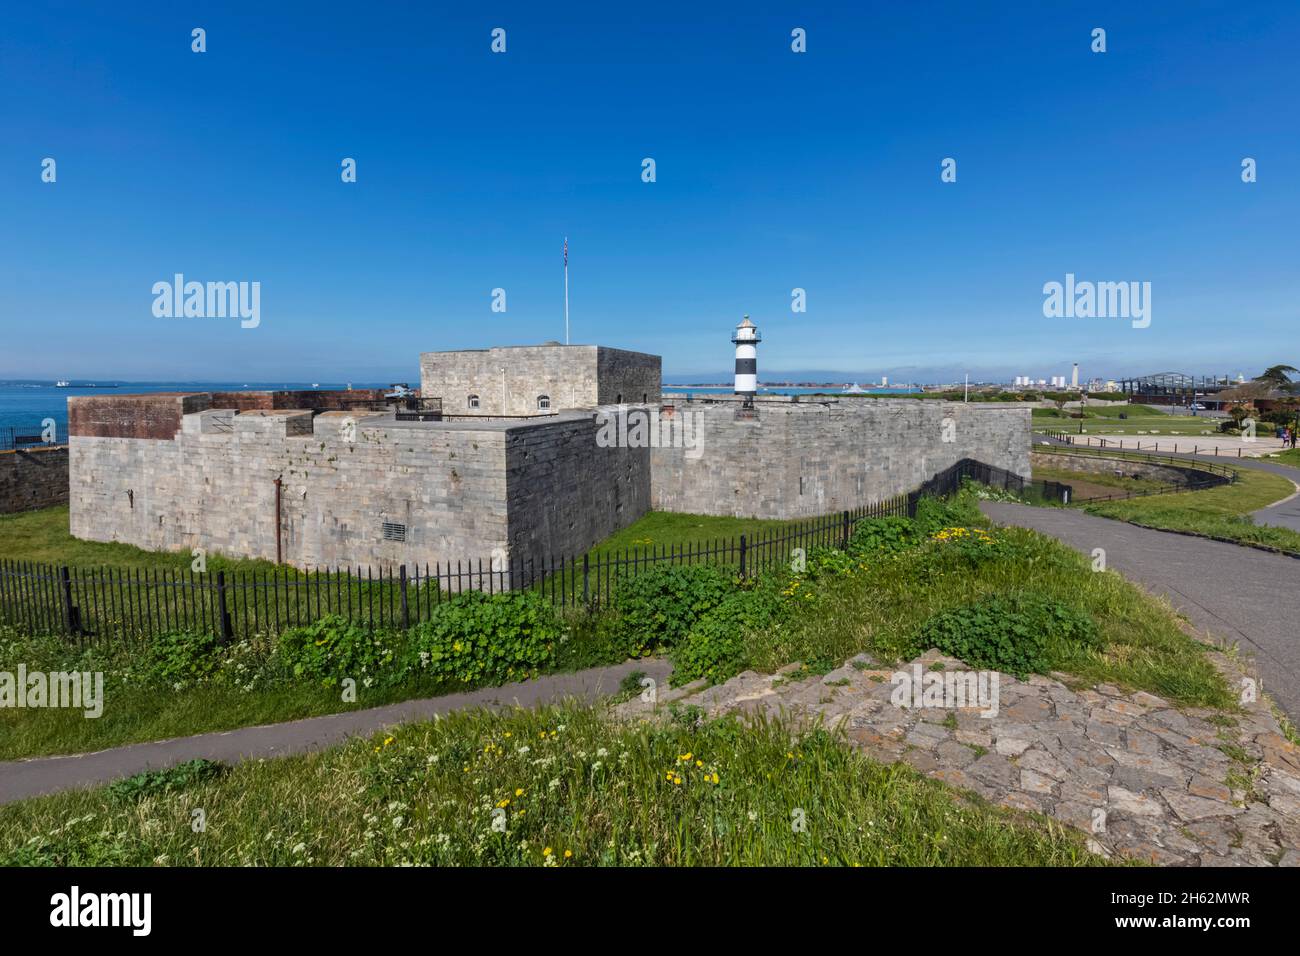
566	290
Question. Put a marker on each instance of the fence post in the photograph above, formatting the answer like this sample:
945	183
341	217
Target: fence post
71	615
227	629
406	612
586	568
742	555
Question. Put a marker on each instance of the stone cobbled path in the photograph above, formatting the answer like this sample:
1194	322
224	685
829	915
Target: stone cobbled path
1143	779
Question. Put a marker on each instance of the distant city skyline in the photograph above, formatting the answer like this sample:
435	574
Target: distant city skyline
780	177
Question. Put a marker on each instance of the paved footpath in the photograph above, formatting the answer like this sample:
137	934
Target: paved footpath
1240	594
1142	779
20	779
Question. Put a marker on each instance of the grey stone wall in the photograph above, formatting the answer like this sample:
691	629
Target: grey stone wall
462	490
33	478
793	460
623	376
565	492
508	381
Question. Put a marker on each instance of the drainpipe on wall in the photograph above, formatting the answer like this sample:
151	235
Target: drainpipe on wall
278	555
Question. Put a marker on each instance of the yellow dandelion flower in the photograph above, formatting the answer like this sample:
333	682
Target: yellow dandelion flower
547	852
568	854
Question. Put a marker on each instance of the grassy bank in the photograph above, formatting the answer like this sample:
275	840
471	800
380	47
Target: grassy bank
543	788
879	596
1222	512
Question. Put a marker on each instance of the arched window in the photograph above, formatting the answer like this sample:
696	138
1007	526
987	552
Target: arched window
473	401
543	403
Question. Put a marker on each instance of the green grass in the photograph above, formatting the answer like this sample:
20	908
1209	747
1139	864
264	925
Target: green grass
250	688
666	529
878	607
1289	457
569	787
43	536
1222	512
881	604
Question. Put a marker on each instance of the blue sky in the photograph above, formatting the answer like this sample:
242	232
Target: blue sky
775	170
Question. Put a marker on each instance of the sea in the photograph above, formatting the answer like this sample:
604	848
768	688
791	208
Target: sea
24	405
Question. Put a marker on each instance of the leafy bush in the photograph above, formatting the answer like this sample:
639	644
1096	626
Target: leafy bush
486	638
333	648
714	648
934	514
658	608
180	659
883	534
1014	633
175	778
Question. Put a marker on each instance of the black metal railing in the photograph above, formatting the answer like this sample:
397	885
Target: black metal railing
92	605
16	437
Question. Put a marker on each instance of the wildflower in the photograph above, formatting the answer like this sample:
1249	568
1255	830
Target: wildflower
547	852
519	791
568	854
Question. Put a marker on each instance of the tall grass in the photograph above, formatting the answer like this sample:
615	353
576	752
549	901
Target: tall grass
562	787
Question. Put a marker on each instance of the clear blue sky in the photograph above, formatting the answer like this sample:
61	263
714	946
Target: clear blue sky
775	170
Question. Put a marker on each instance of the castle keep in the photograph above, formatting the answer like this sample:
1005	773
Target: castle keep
507	453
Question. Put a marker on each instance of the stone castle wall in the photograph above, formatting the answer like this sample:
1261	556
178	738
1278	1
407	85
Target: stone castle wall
33	478
457	490
803	459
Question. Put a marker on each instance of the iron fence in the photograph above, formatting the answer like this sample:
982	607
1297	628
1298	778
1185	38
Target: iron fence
16	437
94	605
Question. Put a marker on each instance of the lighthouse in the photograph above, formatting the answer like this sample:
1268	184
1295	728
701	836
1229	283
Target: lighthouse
746	338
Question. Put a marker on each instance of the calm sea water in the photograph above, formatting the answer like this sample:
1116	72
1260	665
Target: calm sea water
25	405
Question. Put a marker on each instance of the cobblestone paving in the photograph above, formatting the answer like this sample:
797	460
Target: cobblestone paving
1143	779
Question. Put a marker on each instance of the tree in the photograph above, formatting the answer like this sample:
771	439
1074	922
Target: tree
1279	377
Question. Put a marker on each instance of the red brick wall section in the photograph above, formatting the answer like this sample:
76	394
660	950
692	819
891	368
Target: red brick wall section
314	399
157	415
36	478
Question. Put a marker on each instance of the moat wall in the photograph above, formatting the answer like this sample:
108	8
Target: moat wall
808	458
33	478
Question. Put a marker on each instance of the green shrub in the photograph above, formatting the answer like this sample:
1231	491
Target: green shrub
714	648
333	648
658	608
152	782
486	638
180	659
890	534
934	514
1014	633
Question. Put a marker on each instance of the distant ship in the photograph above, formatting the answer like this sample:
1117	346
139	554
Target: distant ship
62	384
854	389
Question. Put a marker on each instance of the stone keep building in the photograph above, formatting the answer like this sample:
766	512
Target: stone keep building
170	472
243	474
536	379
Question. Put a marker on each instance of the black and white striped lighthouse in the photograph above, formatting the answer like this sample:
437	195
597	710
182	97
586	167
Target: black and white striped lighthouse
746	338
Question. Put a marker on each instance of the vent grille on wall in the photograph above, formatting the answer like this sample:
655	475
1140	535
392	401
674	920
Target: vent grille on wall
394	532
